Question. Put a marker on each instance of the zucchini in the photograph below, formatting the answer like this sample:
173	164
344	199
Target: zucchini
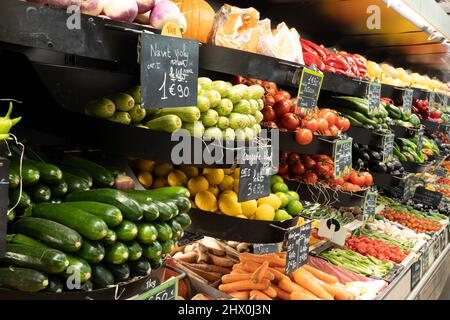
134	251
74	183
110	238
10	215
49	173
166	211
168	123
126	231
166	193
149	209
130	208
156	263
173	208
186	114
86	286
108	213
49	232
354	103
55	200
353	121
59	188
121	272
177	229
101	176
164	231
23	200
87	224
140	267
184	220
183	204
78	270
78	173
147	233
91	251
23	279
152	250
55	284
14	178
42	259
358	116
30	174
40	193
19	238
167	247
116	253
101	277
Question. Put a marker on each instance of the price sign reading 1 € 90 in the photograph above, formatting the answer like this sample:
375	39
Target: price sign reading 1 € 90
309	89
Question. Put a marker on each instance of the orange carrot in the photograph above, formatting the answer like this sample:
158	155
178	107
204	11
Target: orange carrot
251	267
259	295
337	292
278	275
311	284
241	295
282	270
290	286
244	285
270	291
273	259
298	295
283	295
233	277
259	273
327	278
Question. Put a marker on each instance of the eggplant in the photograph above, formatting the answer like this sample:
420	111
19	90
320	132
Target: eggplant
390	166
397	164
396	173
377	166
374	155
364	156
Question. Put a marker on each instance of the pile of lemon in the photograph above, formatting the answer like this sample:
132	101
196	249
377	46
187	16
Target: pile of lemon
216	190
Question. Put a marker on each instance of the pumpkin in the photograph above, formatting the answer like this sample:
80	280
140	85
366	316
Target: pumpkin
200	18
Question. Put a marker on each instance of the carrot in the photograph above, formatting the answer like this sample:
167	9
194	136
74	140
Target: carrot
251	267
311	284
241	295
233	277
290	286
298	295
259	295
327	278
259	273
277	274
244	285
337	292
282	270
271	292
273	259
283	295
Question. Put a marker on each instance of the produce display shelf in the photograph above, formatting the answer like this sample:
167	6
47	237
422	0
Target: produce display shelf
319	144
385	179
403	132
433	126
366	136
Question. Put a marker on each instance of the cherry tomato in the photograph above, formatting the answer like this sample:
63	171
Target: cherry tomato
311	124
334	130
303	136
330	117
268	114
281	107
289	121
322	124
308	162
310	177
322	169
293	157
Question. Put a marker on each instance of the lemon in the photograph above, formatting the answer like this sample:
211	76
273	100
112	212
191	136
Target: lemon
176	178
271	200
214	176
214	190
227	183
197	184
206	201
283	197
281	215
230	194
236	173
163	169
265	212
146	179
227	172
241	216
228	204
160	182
236	185
189	171
145	165
249	207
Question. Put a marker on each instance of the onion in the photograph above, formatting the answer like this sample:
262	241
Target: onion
167	11
121	10
63	4
92	7
143	18
145	5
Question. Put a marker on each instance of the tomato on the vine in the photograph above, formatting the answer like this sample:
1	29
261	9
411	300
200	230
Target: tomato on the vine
308	162
357	178
368	179
310	177
303	136
311	124
283	168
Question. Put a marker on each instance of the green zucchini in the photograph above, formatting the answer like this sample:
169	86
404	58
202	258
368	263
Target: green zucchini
78	173
358	116
75	184
101	176
166	193
134	251
353	121
116	253
167	246
49	173
91	251
42	259
23	200
108	213
152	250
183	204
168	123
147	233
130	208
110	238
177	229
184	220
23	279
102	277
149	209
40	193
55	284
126	231
87	224
19	238
156	263
77	271
140	267
121	272
166	211
30	174
59	189
186	114
14	178
49	232
354	103
164	231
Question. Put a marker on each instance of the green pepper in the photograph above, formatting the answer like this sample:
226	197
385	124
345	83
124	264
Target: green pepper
6	123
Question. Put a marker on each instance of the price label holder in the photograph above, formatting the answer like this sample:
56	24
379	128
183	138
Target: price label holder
442	241
265	248
431	98
415	273
169	71
370	205
309	88
407	100
166	291
4	187
444	100
373	96
388	147
189	237
332	229
297	247
440	172
255	172
427	197
425	260
436	248
342	156
420	138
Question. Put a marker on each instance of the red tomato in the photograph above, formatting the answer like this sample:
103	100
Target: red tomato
303	136
339	181
284	155
282	95
311	124
346	178
297	169
294	157
323	169
283	169
334	130
330	117
322	124
310	178
368	179
270	87
357	178
268	114
238	79
327	133
345	124
270	124
281	107
308	162
289	121
269	100
294	101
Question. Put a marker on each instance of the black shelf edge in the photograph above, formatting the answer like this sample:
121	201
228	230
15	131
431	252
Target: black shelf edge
403	132
366	136
413	167
386	179
434	126
319	144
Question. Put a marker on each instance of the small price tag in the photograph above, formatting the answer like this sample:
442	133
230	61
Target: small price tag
373	96
169	71
297	247
427	197
332	229
255	172
407	100
342	155
436	248
166	291
4	187
309	88
189	237
388	147
420	139
171	29
440	172
370	205
415	273
444	100
265	248
425	260
431	98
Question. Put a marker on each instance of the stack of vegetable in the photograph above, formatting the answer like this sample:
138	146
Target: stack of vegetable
404	235
399	116
371	159
406	150
417	223
423	110
377	248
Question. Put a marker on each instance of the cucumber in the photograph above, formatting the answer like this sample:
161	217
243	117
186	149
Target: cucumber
14	178
49	232
177	229
101	277
183	204
86	286
126	231
134	251
116	253
49	173
59	188
166	193
74	183
166	211
42	259
152	250
140	267
108	213
121	117
78	270
87	224
120	272
149	209
173	208
23	200
101	176
167	247
147	233
10	215
186	114
19	238
156	263
110	238
184	220
78	173
40	193
23	279
168	123
130	208
55	284
91	251
30	174
101	108
164	231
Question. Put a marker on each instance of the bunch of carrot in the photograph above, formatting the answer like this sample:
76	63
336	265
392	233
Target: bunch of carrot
261	277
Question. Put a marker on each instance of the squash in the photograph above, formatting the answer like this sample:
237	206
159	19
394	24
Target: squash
200	18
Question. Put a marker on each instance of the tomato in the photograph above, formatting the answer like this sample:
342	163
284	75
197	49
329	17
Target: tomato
334	131
322	169
303	136
283	169
322	124
294	157
308	162
329	116
238	79
270	87
284	155
297	169
338	182
368	179
310	177
281	107
346	178
345	124
270	124
311	124
357	178
294	101
269	100
327	133
282	95
289	121
268	114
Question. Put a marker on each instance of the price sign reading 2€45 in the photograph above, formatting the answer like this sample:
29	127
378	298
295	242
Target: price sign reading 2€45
297	247
309	89
169	71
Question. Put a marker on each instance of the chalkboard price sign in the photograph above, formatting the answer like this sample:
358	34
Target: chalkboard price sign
440	172
427	197
166	291
265	248
420	138
370	205
388	147
407	100
373	96
415	273
342	155
4	187
297	247
169	71
254	175
309	89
